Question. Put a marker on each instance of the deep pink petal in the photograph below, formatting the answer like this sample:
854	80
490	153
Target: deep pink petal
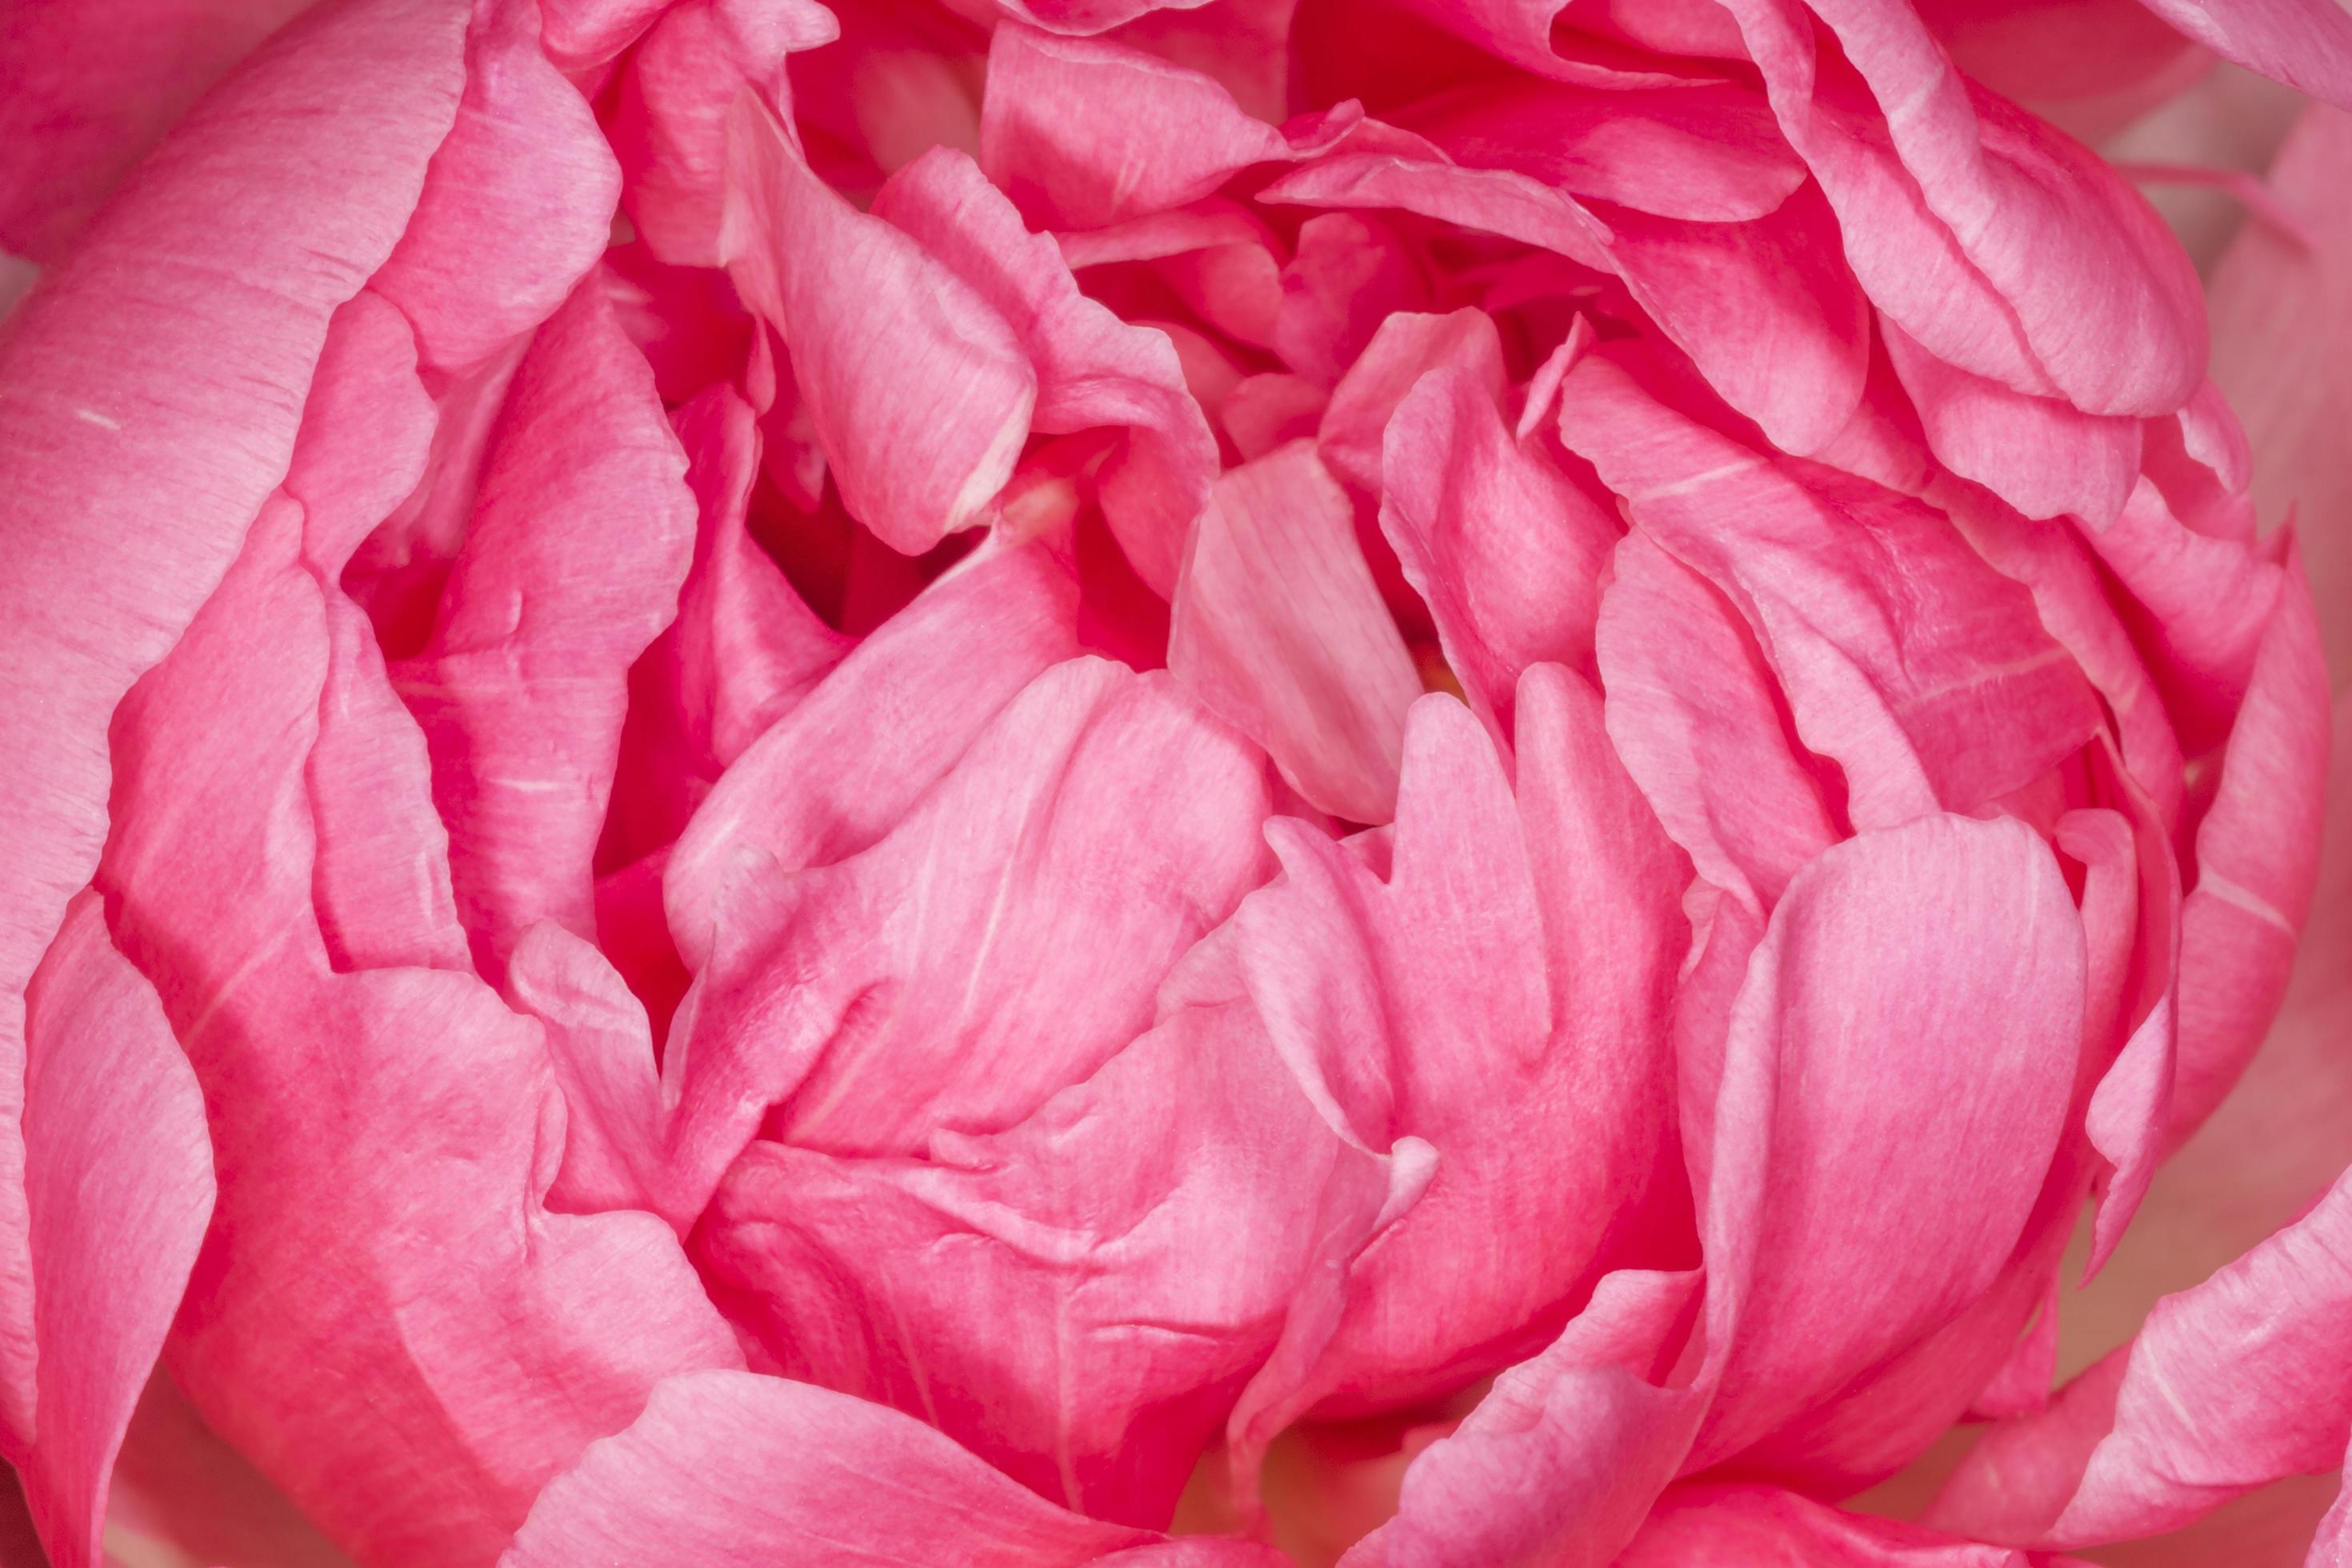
1408	346
139	382
1279	628
1698	1527
726	1465
1348	275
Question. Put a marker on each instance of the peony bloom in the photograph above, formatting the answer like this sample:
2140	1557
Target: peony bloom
1050	782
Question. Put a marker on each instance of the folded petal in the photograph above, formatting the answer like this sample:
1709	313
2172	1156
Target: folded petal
723	1466
1408	346
1280	629
2233	1382
2307	44
118	1180
392	1327
920	1281
1695	1526
920	391
1505	549
582	534
517	202
1905	657
828	782
105	431
1093	370
1565	904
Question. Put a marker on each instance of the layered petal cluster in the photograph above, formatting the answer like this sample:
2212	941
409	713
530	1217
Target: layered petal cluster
909	780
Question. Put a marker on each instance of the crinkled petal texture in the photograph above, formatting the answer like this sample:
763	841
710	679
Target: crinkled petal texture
909	784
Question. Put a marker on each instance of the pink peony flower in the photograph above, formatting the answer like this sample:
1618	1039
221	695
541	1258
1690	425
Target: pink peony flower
1037	782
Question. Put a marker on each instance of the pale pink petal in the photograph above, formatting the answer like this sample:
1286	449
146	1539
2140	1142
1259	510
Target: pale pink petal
2257	861
2278	311
582	534
2044	456
400	1335
1093	370
1503	546
177	1485
1693	713
2233	1382
1565	906
2306	44
1279	628
918	390
118	1180
827	782
91	87
517	202
1704	1526
1946	691
138	383
921	1281
725	1468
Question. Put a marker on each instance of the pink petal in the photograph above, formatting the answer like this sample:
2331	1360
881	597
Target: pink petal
920	1281
1407	347
392	1329
1698	1526
918	390
1523	32
827	782
1279	628
1704	151
118	1180
1967	997
1507	550
2231	1383
2001	246
581	536
1562	1460
2257	860
104	434
726	1465
601	1049
670	121
1566	905
1945	691
1093	370
1349	274
2307	44
518	203
1081	134
91	87
2044	456
1696	716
